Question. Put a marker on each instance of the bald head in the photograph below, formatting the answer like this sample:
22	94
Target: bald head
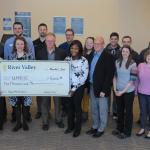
99	43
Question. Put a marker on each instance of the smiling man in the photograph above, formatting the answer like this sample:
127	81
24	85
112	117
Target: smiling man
102	68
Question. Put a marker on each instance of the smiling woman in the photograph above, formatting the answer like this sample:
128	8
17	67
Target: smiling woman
124	89
21	105
79	73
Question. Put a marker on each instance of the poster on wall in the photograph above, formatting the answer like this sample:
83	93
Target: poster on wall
7	24
77	24
59	25
25	19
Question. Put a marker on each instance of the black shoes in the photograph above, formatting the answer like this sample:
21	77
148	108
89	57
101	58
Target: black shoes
91	131
76	134
17	127
95	133
123	136
68	131
38	115
116	132
25	127
119	134
45	127
1	126
98	134
60	124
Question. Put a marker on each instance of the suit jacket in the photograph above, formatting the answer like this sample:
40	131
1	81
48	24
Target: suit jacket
103	73
66	47
1	51
42	54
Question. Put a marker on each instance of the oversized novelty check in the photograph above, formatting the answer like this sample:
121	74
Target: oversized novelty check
34	78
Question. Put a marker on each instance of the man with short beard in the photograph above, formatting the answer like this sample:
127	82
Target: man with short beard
39	44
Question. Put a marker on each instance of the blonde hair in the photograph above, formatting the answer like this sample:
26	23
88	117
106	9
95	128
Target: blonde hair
51	34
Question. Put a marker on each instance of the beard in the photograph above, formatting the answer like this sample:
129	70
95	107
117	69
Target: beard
42	35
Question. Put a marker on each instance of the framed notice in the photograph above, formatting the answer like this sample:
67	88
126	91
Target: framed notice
34	78
59	25
77	24
7	23
25	19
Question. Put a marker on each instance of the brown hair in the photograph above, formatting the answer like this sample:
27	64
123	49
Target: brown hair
146	54
69	29
127	37
129	61
21	39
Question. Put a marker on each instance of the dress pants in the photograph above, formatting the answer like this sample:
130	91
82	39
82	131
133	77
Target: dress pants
45	106
38	100
75	111
125	112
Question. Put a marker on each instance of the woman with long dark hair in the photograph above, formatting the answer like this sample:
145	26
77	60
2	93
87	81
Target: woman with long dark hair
79	73
124	89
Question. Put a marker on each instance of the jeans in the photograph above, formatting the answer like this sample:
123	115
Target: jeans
99	107
144	109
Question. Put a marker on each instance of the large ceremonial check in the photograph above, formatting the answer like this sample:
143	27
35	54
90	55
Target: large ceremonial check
34	78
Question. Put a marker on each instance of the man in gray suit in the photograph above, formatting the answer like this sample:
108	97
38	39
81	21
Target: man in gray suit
51	52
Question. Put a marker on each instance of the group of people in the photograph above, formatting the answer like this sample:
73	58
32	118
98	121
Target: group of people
96	72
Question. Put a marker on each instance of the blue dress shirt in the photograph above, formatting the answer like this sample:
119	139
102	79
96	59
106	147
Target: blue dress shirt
93	63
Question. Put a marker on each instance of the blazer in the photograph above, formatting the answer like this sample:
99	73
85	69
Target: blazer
42	54
103	73
1	51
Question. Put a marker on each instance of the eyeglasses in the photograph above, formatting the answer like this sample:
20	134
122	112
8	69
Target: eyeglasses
69	34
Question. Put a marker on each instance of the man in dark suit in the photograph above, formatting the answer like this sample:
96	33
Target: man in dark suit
39	44
102	68
69	38
51	53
